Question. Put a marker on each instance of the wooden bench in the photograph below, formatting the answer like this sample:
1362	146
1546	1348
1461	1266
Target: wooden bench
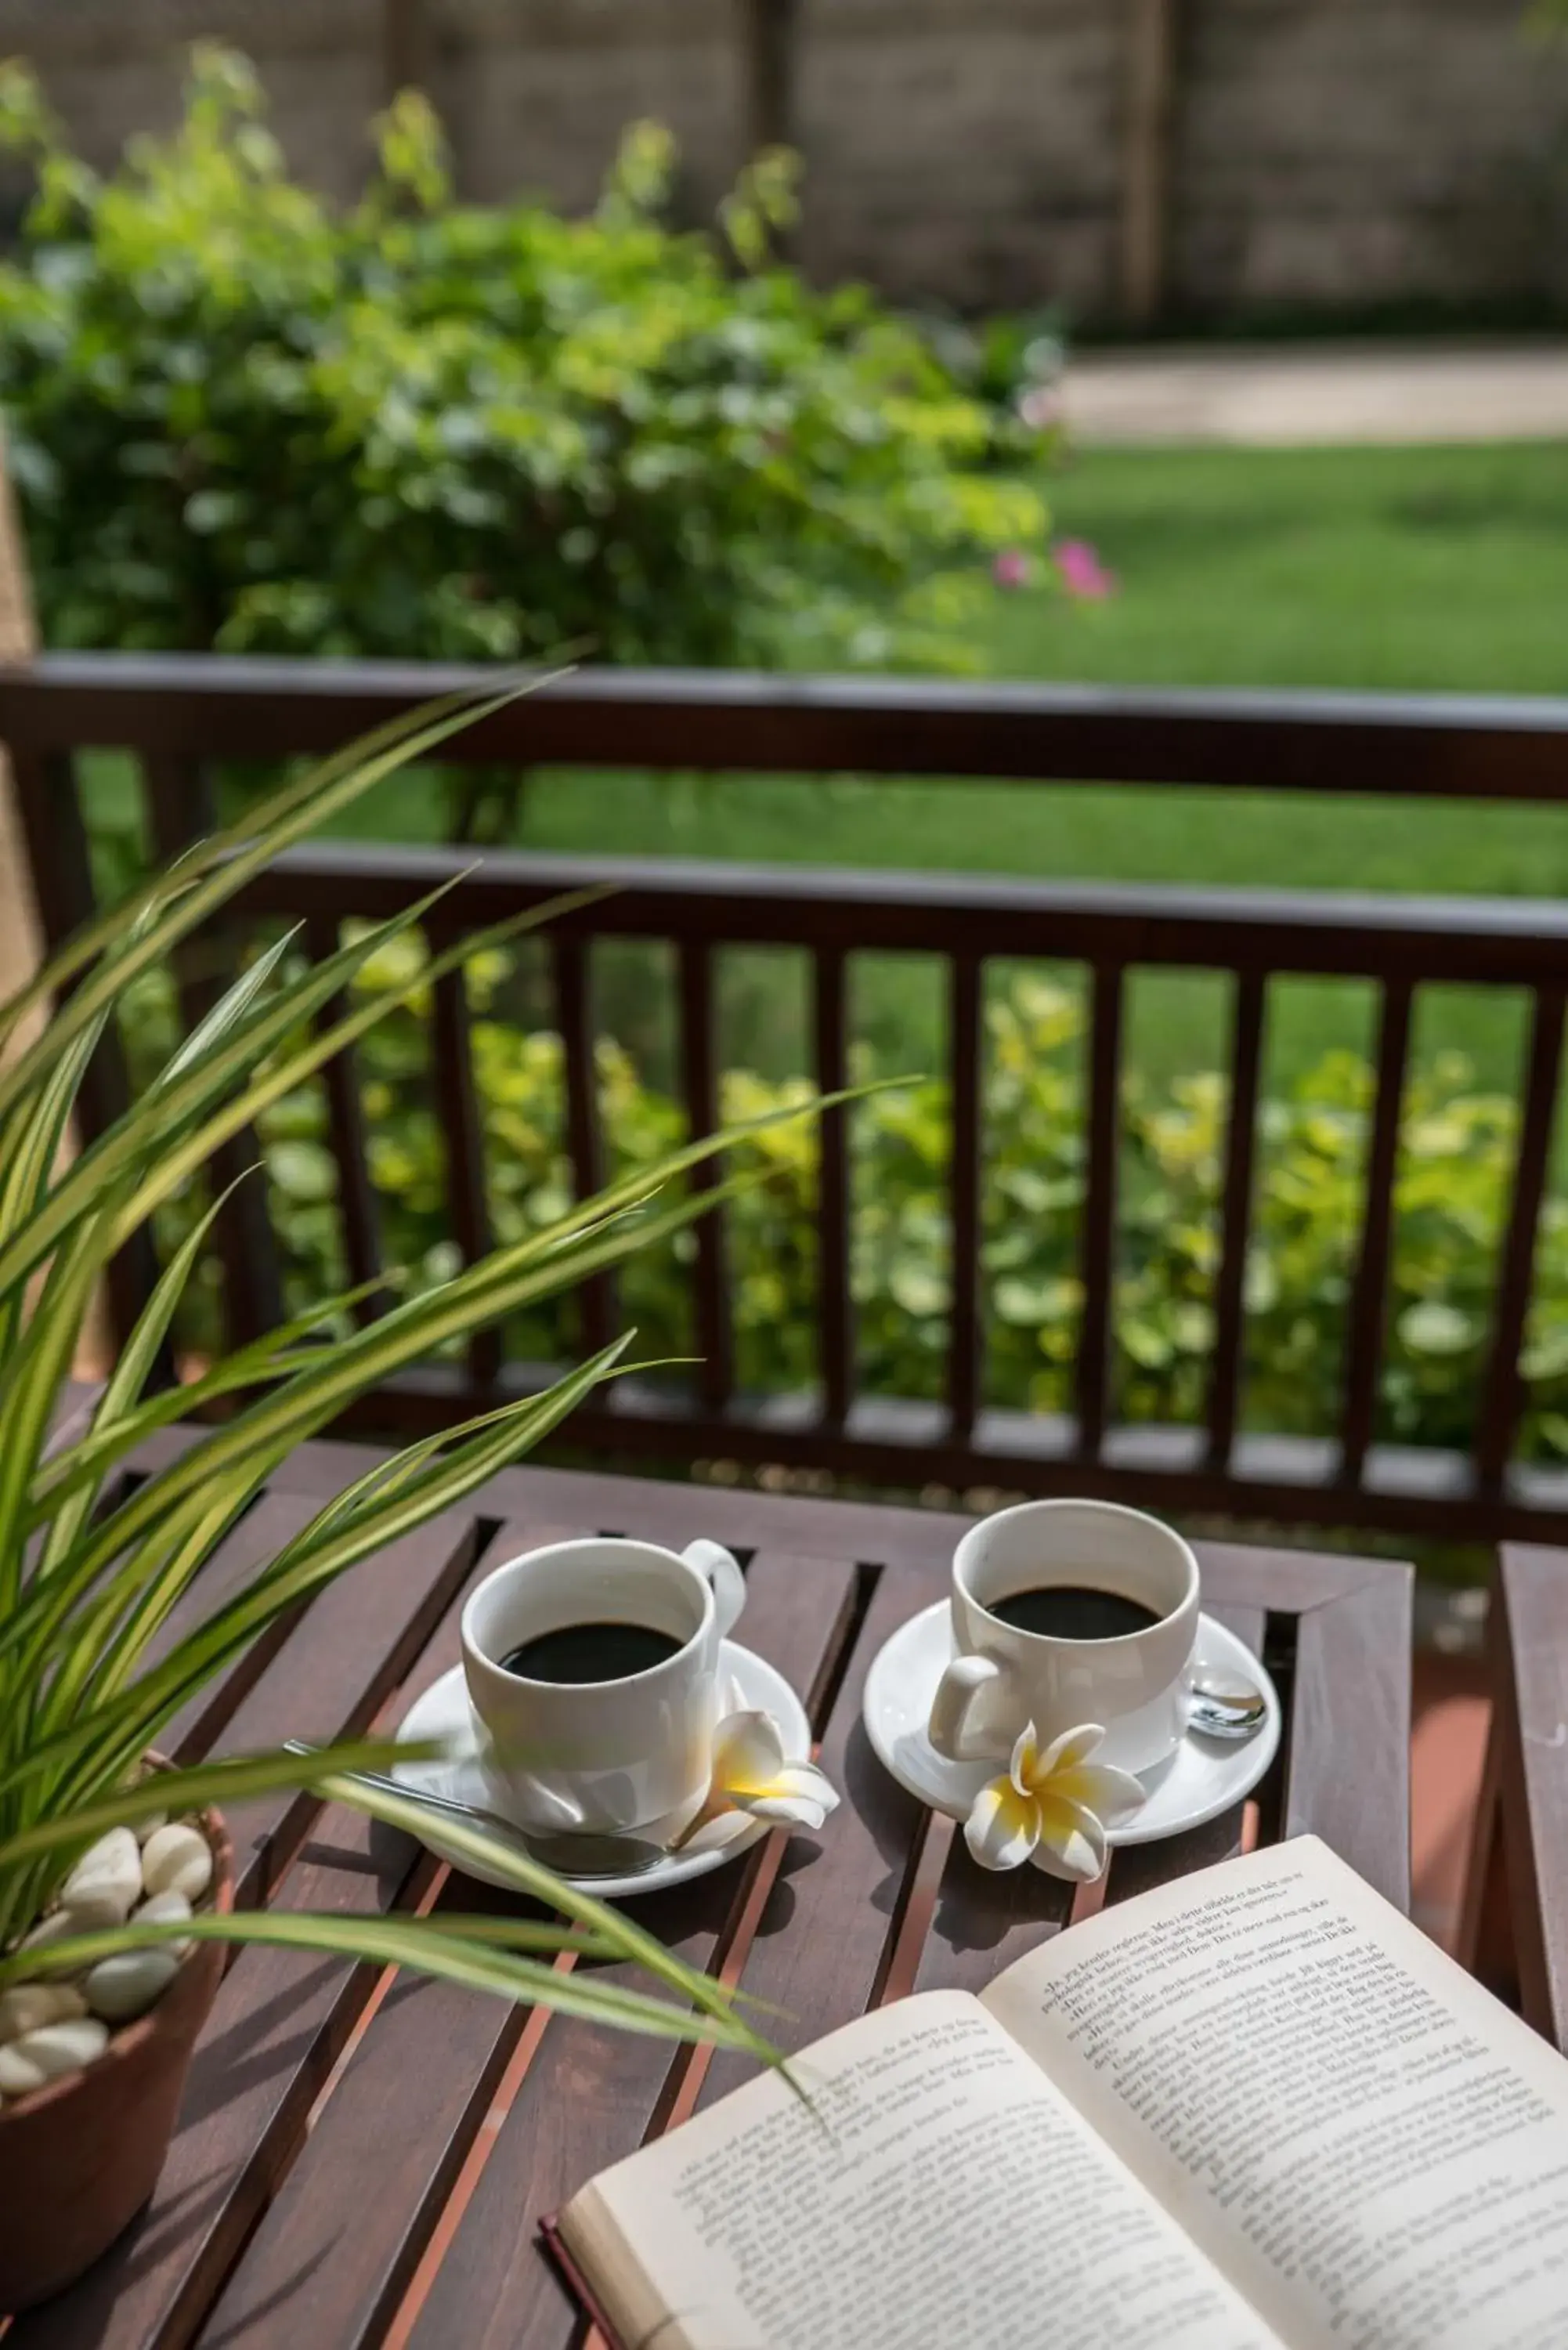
1514	1929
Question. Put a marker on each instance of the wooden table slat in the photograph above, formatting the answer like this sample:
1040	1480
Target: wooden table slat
1138	1868
1248	1623
272	1519
864	1532
363	2195
341	2240
1347	1773
589	2094
77	1403
826	1930
345	1656
1289	1582
984	1920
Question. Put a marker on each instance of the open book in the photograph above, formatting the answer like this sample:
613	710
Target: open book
1252	2110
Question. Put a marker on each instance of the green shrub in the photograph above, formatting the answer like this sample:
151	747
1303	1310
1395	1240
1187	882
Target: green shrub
420	428
1450	1201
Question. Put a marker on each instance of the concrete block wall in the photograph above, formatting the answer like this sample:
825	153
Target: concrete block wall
969	148
1337	150
1323	153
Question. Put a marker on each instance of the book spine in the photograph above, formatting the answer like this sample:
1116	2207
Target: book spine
575	2281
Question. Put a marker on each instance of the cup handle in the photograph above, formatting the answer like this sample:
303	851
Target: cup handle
729	1584
949	1728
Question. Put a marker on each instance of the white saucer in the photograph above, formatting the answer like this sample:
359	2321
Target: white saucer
1204	1777
445	1712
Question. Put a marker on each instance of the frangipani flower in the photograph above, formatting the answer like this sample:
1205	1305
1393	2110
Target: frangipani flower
750	1776
1051	1808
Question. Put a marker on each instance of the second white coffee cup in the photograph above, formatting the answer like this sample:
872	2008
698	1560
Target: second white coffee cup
1002	1676
619	1756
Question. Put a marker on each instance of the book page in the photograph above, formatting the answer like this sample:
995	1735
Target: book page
936	2191
1374	2151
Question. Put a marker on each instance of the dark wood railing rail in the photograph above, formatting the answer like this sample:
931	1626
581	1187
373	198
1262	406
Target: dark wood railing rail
179	715
202	706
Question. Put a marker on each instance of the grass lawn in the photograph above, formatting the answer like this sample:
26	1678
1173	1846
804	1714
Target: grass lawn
1383	568
1394	568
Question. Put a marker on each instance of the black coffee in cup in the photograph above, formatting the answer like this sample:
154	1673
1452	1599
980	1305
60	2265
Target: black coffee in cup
1073	1611
610	1650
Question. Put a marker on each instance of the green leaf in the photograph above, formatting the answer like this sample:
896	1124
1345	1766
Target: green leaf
536	1267
80	1703
1546	1355
230	1781
127	1380
1261	1283
918	1289
304	1170
238	1033
476	1964
289	1071
275	1356
528	1877
34	1137
1149	1347
154	920
1432	1327
140	1597
1028	1304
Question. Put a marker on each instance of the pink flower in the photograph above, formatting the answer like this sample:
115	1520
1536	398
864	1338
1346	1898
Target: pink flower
1082	573
1039	407
1011	569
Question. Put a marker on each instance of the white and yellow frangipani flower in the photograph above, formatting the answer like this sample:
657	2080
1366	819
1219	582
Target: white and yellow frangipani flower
1051	1808
750	1778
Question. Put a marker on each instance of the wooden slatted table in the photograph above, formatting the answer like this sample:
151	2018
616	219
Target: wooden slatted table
361	2163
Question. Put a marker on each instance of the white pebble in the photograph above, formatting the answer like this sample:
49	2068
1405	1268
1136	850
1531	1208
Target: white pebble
52	1929
165	1906
178	1859
105	1886
150	1826
27	2006
126	1985
45	2054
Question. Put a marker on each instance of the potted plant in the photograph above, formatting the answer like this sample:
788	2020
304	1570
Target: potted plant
115	1871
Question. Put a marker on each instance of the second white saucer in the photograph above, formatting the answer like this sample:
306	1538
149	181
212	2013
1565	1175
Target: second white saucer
1204	1777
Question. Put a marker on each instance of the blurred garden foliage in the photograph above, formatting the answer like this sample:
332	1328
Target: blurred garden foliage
1452	1193
241	419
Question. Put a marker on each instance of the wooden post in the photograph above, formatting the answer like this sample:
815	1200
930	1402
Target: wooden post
769	32
21	926
405	46
1150	89
21	932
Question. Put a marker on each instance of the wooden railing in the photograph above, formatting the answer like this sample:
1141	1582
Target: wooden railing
179	715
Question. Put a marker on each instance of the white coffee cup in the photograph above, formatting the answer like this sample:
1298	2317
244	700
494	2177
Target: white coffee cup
1134	1684
612	1757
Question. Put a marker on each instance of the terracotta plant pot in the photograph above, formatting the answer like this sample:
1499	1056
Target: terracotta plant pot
79	2157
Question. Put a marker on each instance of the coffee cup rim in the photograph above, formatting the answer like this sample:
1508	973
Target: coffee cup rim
473	1649
1190	1598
